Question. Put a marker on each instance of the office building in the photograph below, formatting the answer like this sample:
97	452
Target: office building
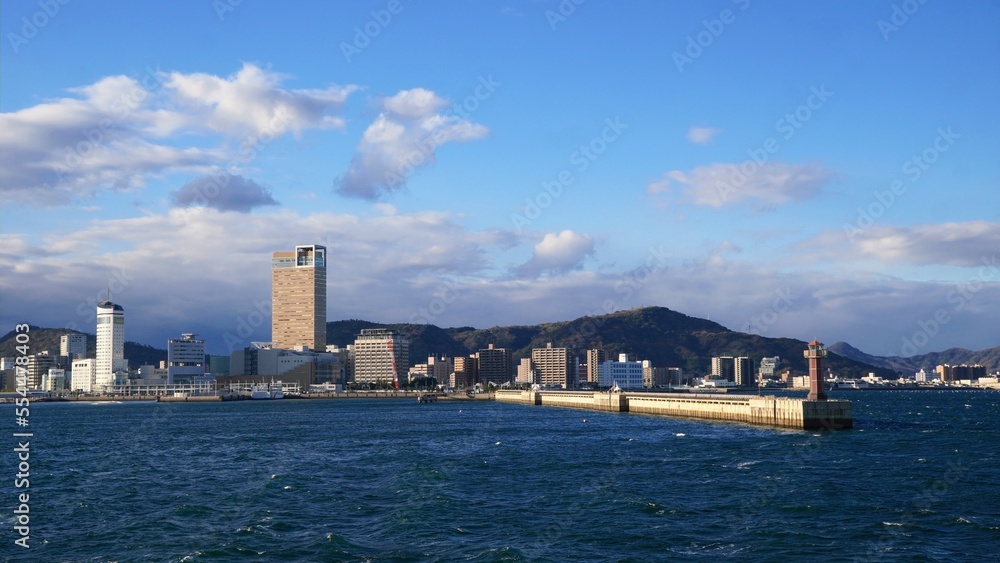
496	365
219	365
723	367
73	345
944	372
948	372
659	377
54	381
343	363
466	372
381	356
526	373
624	373
594	359
153	375
743	372
110	352
185	359
38	366
769	367
552	365
440	368
262	363
675	376
82	375
298	298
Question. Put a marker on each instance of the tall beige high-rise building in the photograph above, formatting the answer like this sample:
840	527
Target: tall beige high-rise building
552	365
298	298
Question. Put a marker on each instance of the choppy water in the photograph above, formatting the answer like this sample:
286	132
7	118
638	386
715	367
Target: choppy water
391	480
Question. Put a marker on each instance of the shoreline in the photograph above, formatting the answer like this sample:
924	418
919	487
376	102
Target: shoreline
411	395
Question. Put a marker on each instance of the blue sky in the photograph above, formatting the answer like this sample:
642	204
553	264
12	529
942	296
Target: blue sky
813	170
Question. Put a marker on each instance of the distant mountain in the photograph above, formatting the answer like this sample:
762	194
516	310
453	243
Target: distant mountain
43	339
425	340
989	357
665	337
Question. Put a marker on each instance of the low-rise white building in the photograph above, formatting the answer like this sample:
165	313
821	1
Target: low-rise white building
624	373
152	375
82	375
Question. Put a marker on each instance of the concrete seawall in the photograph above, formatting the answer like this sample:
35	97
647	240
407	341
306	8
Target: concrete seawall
781	412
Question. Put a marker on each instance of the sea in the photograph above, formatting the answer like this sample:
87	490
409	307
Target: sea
917	479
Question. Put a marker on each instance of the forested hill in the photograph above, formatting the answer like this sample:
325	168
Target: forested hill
665	337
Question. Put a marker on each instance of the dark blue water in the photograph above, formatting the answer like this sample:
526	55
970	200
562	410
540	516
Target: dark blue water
918	479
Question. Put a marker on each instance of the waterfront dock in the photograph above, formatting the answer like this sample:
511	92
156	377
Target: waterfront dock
779	412
197	398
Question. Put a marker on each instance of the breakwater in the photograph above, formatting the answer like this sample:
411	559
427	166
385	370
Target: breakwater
781	412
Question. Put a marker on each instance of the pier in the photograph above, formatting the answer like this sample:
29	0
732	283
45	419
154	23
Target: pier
779	412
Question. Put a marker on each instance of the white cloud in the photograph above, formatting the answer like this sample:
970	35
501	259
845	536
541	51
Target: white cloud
414	104
970	244
403	138
664	185
558	253
119	131
385	208
702	135
761	186
426	267
251	102
170	280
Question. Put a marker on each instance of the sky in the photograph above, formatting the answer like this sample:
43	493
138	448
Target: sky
809	170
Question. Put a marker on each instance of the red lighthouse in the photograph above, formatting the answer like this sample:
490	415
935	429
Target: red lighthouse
815	353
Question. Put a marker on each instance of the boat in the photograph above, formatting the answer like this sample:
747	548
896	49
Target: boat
267	391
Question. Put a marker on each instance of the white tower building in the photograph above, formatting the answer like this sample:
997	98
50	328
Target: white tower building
110	344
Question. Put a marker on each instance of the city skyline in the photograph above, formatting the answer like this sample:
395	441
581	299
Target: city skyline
817	171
